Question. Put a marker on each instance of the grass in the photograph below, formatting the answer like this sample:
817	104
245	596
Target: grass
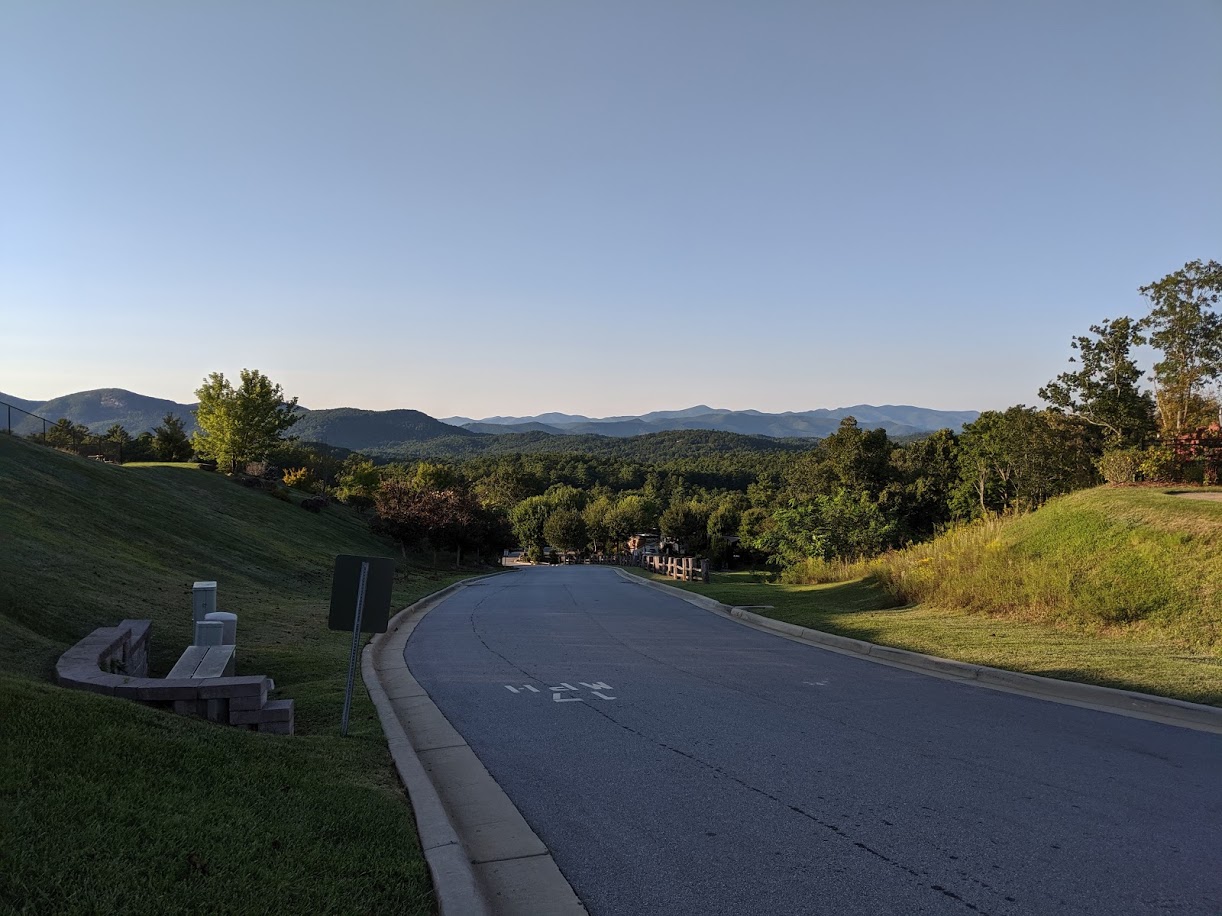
1117	587
109	806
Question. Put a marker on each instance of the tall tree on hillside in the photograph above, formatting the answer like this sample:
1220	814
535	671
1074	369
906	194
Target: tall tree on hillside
242	424
1184	326
851	458
1021	457
1103	391
358	481
64	434
927	475
170	440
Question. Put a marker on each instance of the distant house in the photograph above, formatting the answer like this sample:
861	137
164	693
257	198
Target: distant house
639	542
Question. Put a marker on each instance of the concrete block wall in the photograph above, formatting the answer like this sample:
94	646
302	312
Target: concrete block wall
114	661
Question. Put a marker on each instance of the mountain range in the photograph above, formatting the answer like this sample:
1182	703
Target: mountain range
898	420
406	432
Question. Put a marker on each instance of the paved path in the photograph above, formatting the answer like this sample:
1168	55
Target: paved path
698	766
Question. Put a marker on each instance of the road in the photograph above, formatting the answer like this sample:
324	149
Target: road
678	762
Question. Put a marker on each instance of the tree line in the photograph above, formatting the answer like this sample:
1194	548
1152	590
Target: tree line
850	495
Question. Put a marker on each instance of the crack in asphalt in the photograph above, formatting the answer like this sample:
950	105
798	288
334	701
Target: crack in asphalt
827	825
834	828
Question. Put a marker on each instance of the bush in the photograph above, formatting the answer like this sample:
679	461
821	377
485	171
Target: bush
817	571
1122	465
299	478
1160	464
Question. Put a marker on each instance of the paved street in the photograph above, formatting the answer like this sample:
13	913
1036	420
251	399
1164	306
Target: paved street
677	762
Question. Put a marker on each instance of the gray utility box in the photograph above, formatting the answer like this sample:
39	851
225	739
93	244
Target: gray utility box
230	624
203	600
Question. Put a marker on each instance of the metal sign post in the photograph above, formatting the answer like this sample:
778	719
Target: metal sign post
360	600
356	638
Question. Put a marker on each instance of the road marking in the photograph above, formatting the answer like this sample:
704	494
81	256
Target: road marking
597	688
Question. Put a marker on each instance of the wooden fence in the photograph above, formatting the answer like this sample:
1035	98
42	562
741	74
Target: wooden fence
685	569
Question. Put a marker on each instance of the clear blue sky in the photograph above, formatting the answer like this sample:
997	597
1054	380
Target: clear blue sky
600	208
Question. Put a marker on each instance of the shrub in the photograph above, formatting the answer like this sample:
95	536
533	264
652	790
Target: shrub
817	571
1160	464
299	478
1121	465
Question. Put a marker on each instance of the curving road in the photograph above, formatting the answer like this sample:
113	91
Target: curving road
677	762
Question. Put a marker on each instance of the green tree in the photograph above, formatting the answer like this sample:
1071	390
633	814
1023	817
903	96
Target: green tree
1021	457
527	519
595	517
120	441
142	448
926	476
241	424
1103	391
566	529
69	436
358	481
1184	327
431	475
851	458
687	524
170	440
632	514
844	525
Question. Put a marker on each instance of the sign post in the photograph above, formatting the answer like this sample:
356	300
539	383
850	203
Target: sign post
360	601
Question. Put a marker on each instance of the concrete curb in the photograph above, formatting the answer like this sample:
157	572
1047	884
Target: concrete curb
1073	693
453	877
483	857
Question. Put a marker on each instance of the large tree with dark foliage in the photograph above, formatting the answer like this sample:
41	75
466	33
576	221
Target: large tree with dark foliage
1104	390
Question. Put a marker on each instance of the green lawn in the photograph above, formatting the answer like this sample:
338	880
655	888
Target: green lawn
863	609
109	806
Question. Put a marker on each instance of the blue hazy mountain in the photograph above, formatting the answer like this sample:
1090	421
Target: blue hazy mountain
100	409
898	420
383	430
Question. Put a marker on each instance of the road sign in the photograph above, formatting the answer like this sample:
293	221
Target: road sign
360	601
346	593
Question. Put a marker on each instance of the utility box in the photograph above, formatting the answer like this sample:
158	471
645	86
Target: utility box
230	626
203	600
209	633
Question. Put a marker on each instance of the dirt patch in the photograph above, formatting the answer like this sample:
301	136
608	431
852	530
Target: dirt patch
1216	497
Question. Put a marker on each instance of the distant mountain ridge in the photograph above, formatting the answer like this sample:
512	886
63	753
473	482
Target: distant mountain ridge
101	408
406	432
898	420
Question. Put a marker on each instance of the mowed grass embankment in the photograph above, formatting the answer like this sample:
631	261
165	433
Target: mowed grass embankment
109	806
1120	587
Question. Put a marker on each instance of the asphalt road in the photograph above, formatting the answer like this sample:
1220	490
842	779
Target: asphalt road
699	766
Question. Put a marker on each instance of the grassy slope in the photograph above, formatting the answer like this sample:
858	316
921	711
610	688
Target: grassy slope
1115	587
100	792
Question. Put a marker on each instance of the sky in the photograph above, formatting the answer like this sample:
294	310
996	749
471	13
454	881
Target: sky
602	208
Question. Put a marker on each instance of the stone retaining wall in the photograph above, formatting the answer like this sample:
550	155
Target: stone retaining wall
114	661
